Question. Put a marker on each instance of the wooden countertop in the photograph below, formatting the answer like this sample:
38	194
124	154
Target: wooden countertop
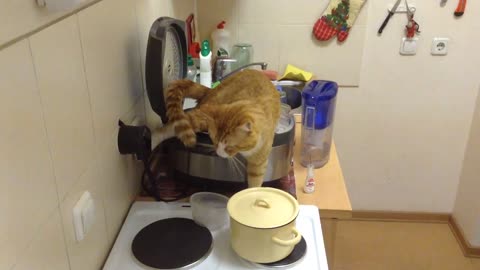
330	195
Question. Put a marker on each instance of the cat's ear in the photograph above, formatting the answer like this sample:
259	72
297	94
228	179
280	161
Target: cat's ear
247	127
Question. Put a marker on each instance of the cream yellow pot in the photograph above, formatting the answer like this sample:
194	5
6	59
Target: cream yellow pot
262	224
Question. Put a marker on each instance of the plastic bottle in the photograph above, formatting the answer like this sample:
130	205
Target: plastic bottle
309	180
221	40
192	69
192	76
205	65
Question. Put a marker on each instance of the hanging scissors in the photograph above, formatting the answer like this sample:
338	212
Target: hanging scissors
412	26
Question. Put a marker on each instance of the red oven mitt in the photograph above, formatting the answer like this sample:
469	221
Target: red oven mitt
337	19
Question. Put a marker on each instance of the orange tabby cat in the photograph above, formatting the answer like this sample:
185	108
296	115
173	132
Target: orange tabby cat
240	116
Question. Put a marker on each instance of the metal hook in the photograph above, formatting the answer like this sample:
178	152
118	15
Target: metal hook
410	11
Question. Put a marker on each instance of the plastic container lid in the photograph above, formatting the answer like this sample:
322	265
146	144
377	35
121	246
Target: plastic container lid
319	98
319	90
263	207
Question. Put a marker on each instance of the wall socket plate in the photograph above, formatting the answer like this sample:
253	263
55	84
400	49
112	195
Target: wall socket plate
440	46
409	46
83	215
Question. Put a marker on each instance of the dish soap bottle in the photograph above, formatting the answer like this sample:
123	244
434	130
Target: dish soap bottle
221	40
205	65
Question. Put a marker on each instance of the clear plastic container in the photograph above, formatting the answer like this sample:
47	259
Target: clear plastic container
210	210
192	76
191	69
319	100
243	53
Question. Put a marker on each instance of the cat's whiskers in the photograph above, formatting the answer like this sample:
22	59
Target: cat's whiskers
238	162
234	164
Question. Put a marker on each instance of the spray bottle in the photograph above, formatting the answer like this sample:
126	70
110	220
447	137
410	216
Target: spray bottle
205	65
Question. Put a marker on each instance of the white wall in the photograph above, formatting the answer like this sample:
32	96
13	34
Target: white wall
467	205
280	32
401	135
62	91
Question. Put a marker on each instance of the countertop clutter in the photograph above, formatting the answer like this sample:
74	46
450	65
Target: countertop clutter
330	195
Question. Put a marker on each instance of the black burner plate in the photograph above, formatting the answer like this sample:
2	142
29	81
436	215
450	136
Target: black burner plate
172	243
297	254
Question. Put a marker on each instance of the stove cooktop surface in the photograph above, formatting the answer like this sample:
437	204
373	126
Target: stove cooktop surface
222	256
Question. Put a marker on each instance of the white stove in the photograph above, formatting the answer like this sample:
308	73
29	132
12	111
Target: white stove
222	256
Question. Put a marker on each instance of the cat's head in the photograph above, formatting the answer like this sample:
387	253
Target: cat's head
237	133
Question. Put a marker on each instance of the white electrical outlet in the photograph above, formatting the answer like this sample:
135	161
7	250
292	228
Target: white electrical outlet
83	215
409	46
440	46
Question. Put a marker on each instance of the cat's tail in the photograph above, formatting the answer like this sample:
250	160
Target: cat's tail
176	92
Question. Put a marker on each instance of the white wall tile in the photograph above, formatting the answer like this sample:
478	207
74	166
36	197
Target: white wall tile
299	11
330	60
26	161
258	12
281	32
110	46
47	250
121	176
18	18
211	12
265	39
305	12
91	252
147	12
181	9
58	59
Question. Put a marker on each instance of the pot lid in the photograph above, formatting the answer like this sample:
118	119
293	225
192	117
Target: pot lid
263	207
166	60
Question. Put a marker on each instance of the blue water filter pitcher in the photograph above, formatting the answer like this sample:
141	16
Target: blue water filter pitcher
319	100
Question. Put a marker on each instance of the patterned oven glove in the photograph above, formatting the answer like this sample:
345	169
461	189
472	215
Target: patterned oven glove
337	19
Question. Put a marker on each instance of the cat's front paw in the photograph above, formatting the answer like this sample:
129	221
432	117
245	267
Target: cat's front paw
189	139
255	181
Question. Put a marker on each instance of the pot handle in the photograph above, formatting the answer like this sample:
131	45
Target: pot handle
290	242
261	203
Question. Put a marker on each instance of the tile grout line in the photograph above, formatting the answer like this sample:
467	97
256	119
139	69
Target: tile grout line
41	226
57	207
77	23
142	71
46	25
